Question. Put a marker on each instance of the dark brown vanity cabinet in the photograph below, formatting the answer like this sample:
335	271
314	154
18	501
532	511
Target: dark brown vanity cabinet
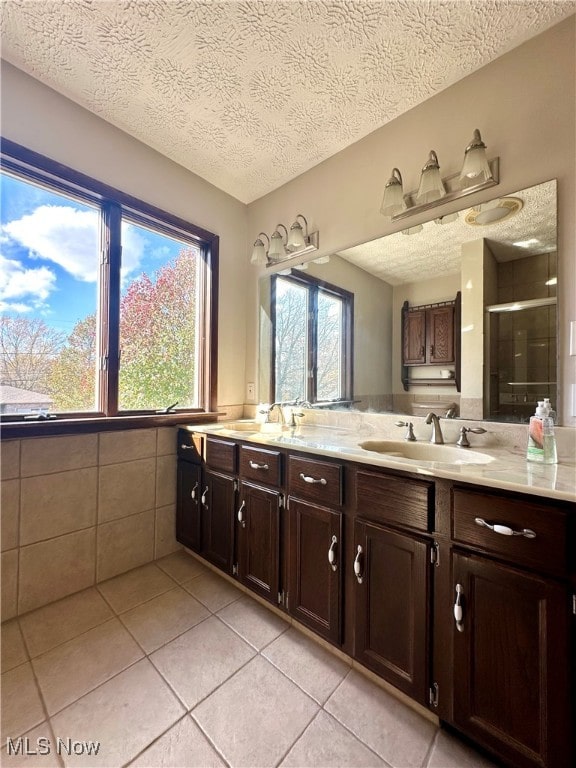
393	571
218	503
513	626
258	521
189	489
315	525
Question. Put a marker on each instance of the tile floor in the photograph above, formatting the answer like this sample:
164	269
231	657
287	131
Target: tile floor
171	665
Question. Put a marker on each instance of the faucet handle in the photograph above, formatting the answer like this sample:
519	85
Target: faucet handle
409	431
463	441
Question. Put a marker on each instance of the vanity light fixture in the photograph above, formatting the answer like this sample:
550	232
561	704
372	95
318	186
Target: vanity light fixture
296	242
431	186
477	173
475	168
259	251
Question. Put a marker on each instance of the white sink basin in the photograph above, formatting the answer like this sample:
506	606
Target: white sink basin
241	426
416	452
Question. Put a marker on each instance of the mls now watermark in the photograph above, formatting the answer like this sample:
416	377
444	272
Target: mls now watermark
43	746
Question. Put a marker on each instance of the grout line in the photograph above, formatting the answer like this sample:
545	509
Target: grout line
431	746
132	759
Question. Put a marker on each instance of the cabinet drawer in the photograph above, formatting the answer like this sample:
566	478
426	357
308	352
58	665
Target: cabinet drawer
318	481
221	454
547	550
396	500
190	445
260	465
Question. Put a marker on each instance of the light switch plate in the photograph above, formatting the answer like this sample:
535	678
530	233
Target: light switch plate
250	391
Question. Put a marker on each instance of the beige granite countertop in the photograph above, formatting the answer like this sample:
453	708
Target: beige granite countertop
507	471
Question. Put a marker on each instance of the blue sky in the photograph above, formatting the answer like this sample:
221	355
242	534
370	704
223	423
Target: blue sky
49	254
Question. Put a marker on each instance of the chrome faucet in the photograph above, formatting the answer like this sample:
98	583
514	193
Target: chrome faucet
436	437
280	406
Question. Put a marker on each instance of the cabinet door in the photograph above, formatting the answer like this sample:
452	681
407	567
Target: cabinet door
392	586
188	505
440	322
414	338
217	526
314	596
511	663
258	542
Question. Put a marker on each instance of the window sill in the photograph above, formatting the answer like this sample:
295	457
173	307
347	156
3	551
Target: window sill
13	430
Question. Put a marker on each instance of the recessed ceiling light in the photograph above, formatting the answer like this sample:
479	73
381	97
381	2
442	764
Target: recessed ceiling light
490	213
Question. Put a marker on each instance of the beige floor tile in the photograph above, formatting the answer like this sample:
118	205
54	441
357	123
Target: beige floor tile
256	715
213	591
450	752
181	566
183	745
125	544
21	704
396	733
9	584
165	532
306	663
326	743
40	740
252	621
69	671
163	618
9	514
130	589
13	650
199	660
124	714
47	627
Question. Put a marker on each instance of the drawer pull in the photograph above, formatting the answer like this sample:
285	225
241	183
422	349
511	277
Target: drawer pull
241	515
332	553
193	492
358	565
458	611
256	465
203	499
185	447
308	479
505	530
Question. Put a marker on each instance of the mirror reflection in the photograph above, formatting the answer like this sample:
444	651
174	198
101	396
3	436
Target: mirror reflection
457	314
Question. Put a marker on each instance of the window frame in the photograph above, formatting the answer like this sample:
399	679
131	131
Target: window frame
314	286
113	204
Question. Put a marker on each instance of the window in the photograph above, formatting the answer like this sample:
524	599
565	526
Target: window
108	305
312	349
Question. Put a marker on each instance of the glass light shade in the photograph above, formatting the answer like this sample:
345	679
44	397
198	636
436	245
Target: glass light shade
296	239
276	250
431	186
259	255
475	168
393	200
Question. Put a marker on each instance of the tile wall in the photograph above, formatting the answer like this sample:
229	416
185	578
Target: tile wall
80	509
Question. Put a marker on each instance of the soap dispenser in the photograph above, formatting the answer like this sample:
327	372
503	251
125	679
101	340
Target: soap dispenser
541	438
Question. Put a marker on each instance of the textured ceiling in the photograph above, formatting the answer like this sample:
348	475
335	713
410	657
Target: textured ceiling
249	95
437	249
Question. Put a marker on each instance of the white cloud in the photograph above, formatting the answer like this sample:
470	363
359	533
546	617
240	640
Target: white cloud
19	284
69	237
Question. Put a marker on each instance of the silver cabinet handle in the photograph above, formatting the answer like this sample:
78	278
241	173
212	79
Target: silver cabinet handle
256	465
308	479
241	515
505	530
185	447
203	499
332	553
193	492
458	612
358	565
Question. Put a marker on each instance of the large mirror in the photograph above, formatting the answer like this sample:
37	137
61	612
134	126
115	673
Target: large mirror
496	263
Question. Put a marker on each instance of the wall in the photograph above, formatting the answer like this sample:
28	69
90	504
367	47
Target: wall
78	510
524	105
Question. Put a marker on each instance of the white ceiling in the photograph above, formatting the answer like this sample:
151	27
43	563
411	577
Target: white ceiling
249	95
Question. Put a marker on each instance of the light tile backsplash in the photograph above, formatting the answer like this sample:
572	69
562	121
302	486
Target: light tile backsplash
79	509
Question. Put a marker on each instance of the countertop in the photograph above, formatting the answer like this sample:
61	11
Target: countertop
507	470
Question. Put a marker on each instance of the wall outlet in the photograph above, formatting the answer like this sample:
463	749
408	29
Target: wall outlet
250	391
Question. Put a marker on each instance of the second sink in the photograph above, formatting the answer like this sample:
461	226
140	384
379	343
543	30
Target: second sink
426	452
